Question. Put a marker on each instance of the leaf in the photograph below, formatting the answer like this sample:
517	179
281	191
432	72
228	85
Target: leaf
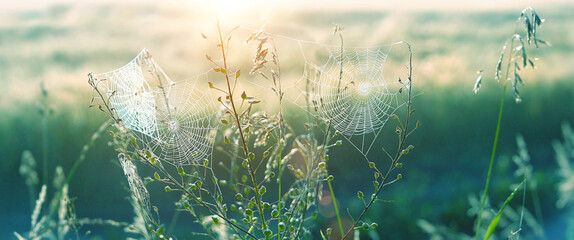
477	84
494	222
517	77
261	56
498	73
524	57
542	41
516	95
531	63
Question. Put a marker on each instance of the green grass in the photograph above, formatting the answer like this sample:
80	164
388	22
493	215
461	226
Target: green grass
457	125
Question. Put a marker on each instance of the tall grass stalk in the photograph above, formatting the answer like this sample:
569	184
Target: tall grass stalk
490	166
516	61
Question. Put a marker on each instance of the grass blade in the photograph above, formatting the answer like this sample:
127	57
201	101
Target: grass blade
494	222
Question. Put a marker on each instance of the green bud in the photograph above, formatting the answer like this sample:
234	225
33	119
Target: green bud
365	226
215	220
360	195
238	196
181	171
275	213
262	190
249	212
371	164
223	183
167	189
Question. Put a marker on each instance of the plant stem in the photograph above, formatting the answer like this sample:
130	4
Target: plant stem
279	191
240	129
494	145
496	135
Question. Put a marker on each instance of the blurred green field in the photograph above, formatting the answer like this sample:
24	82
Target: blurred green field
60	43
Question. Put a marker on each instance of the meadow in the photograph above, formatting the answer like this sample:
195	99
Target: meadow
56	45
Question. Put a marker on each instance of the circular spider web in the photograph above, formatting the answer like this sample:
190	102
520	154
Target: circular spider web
187	120
176	120
350	92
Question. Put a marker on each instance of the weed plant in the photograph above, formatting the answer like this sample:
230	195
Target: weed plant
512	60
273	176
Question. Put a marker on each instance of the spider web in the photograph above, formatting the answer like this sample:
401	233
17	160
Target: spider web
350	92
175	120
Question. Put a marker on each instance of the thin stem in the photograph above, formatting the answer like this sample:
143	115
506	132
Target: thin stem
279	195
494	145
240	129
327	134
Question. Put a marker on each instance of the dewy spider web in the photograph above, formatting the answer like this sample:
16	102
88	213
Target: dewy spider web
176	120
350	92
